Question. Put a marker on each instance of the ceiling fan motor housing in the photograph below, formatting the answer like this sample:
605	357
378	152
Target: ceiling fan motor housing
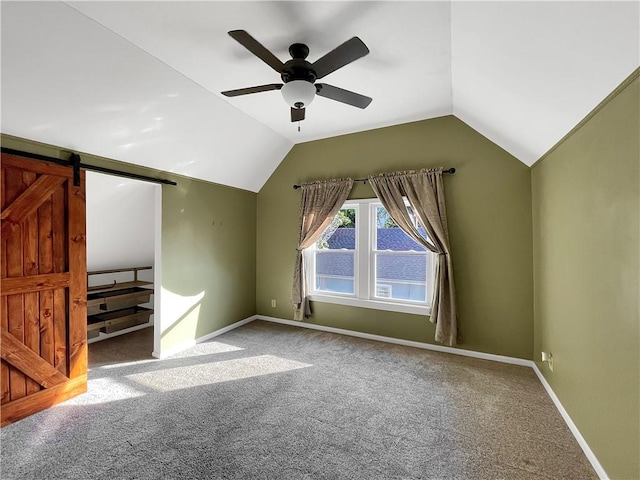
298	68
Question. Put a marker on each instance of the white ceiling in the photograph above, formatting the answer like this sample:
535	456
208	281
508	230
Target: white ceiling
141	81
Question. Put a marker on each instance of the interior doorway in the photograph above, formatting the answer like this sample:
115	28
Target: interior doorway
123	264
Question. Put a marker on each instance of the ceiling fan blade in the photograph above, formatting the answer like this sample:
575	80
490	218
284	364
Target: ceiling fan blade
248	90
259	50
342	95
297	114
340	56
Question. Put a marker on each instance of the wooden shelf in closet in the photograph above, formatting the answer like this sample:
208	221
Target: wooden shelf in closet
116	306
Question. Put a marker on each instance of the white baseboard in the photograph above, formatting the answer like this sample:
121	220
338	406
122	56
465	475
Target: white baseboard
209	336
572	426
400	341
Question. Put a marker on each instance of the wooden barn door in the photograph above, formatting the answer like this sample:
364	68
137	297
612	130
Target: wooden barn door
42	286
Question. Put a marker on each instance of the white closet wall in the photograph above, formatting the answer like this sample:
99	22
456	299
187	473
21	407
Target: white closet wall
120	222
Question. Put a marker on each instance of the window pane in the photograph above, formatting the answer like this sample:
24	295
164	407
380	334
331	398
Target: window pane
335	271
391	237
341	234
401	277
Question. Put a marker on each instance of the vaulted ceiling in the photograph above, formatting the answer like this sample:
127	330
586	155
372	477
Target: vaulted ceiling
140	81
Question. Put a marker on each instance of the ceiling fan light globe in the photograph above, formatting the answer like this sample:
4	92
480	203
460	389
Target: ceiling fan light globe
298	92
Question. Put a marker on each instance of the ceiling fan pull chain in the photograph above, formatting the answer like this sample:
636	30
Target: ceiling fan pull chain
298	126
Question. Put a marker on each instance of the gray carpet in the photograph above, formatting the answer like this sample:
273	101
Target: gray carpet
267	401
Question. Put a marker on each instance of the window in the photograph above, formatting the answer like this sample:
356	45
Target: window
335	255
364	259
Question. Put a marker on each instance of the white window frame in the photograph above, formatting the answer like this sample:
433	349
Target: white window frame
364	268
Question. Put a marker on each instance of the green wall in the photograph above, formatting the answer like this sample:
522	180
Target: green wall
208	249
489	207
586	256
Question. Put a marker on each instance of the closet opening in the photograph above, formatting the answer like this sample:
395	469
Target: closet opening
123	264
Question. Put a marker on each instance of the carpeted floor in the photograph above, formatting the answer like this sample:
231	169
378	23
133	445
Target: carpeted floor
131	347
267	401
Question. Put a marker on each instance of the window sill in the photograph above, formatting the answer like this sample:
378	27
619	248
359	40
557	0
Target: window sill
373	304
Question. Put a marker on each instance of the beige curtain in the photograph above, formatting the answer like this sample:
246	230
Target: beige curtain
320	202
424	191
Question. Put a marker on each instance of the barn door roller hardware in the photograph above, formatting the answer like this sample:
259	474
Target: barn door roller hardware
75	163
75	160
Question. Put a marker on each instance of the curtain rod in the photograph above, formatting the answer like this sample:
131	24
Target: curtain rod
74	163
364	180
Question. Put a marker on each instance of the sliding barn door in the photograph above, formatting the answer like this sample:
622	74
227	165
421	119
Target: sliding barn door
42	286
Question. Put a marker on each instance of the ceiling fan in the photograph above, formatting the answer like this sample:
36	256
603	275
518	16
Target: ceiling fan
299	76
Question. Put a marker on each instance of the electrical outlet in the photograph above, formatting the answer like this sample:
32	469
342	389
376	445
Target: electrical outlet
548	359
273	303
